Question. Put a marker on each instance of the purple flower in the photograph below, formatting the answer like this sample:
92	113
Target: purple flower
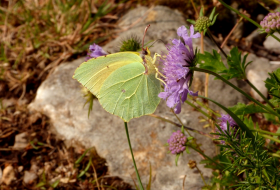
227	120
271	22
177	142
176	70
95	51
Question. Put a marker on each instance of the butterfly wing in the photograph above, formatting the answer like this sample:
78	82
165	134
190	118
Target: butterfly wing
121	85
129	93
94	72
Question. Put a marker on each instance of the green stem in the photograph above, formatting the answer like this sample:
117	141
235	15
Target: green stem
202	105
200	110
275	37
266	132
271	138
210	35
178	125
201	175
202	153
236	88
261	95
134	163
247	18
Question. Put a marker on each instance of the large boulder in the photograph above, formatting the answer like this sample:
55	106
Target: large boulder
60	98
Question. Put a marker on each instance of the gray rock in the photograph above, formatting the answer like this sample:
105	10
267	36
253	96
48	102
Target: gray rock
272	44
59	97
257	73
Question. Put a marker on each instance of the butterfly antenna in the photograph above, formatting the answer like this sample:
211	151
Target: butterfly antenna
144	36
156	41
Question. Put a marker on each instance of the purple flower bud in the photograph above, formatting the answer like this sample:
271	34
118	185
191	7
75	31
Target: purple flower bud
177	142
95	51
267	30
226	119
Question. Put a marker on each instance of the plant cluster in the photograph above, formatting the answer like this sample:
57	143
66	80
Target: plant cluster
245	160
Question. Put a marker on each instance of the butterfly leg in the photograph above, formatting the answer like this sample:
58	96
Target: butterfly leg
157	71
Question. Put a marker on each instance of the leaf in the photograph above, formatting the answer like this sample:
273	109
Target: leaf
236	65
212	62
273	83
150	179
242	109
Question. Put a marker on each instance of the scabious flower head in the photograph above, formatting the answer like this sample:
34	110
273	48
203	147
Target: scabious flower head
95	51
202	23
271	23
177	142
180	56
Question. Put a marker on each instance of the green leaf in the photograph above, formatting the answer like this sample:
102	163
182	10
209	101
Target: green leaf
212	62
273	83
236	65
242	109
176	159
187	150
183	129
201	12
191	21
82	156
55	184
190	138
212	13
249	122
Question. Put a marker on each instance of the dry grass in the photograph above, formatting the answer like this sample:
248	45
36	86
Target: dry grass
36	36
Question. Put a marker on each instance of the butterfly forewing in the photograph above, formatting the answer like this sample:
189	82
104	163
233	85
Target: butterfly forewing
94	72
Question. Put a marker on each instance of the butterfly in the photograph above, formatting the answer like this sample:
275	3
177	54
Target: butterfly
125	83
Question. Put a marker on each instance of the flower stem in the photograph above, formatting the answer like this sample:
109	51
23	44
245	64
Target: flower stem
261	95
180	121
247	18
178	125
271	138
210	35
202	105
236	88
201	175
265	132
134	163
205	156
200	110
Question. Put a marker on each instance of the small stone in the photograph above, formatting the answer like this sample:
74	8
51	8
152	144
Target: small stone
20	141
64	180
257	78
29	177
272	44
8	175
20	168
